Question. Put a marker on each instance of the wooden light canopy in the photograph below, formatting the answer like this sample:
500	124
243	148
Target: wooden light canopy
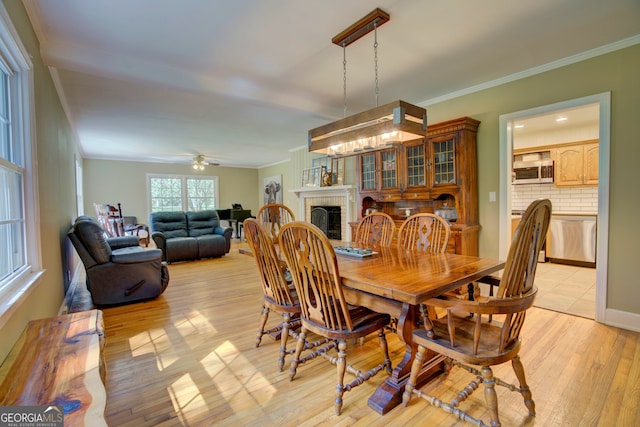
361	28
378	128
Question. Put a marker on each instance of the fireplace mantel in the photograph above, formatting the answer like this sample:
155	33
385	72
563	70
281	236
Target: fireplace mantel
329	195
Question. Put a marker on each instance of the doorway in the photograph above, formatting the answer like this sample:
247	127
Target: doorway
507	137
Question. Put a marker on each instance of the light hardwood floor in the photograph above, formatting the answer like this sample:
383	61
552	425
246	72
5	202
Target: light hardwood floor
188	358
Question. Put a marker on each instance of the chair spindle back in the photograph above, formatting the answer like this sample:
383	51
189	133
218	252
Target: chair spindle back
426	232
314	267
273	216
274	285
375	230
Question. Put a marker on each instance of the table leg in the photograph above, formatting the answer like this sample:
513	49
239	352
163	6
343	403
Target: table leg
388	395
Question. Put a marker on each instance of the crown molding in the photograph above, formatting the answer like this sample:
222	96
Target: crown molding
612	47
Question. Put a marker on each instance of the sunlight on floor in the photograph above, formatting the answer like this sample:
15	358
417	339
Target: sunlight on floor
154	341
231	374
193	330
186	396
234	375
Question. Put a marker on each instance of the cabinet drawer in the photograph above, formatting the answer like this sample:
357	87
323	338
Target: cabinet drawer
416	195
390	197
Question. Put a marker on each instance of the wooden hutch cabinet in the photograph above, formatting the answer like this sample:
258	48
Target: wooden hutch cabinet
378	175
437	172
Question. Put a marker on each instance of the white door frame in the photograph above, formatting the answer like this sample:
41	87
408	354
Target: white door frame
506	154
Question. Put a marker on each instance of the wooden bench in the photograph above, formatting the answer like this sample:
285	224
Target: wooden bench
59	361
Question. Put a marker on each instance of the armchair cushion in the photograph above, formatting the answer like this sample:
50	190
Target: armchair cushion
171	224
123	242
181	249
202	222
92	237
132	255
209	245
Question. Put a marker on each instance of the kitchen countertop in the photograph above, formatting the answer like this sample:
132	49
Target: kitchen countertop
574	213
516	215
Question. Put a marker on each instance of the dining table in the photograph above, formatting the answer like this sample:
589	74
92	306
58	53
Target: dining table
396	281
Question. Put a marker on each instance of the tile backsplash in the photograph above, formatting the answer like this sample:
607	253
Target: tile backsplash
582	199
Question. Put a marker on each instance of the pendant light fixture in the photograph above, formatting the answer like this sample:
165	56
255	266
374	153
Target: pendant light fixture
381	127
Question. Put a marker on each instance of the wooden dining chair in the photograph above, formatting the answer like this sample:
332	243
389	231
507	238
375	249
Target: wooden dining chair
273	216
465	340
325	312
375	230
425	232
279	296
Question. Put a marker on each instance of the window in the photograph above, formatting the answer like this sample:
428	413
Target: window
19	236
12	236
182	193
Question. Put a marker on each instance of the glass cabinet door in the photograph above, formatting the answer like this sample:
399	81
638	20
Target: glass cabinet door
444	162
415	166
368	171
389	169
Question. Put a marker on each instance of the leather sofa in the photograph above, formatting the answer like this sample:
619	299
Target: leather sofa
118	269
184	236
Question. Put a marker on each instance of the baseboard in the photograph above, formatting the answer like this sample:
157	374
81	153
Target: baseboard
622	319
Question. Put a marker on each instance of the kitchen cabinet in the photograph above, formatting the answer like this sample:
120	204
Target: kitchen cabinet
591	156
576	165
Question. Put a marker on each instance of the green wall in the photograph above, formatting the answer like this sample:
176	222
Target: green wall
615	72
113	182
56	153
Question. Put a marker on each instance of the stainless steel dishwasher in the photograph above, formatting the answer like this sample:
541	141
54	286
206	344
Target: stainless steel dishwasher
573	238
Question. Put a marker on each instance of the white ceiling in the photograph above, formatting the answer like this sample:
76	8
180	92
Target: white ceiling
243	81
565	125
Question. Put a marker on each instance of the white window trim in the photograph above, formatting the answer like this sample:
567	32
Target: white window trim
183	178
22	285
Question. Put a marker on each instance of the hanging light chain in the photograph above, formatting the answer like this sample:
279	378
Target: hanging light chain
375	56
344	78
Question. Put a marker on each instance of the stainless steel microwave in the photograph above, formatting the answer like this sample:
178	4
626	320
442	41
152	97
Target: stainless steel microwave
533	172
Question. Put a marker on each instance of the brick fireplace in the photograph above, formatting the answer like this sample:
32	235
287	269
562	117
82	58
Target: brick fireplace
337	195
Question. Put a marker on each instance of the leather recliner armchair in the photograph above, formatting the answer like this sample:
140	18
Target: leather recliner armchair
119	270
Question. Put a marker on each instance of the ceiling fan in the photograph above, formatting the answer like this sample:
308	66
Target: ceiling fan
199	162
195	160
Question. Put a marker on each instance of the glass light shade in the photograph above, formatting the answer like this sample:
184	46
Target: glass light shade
375	129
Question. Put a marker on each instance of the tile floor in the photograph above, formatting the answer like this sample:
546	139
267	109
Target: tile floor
566	289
